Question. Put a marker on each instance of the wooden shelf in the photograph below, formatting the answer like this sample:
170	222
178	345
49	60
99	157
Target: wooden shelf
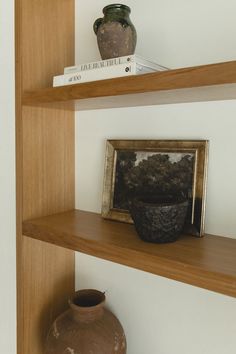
46	171
207	262
201	83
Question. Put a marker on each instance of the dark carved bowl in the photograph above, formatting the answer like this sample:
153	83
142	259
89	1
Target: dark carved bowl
159	220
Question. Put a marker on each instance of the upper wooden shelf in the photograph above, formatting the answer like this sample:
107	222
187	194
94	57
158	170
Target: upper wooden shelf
208	262
200	83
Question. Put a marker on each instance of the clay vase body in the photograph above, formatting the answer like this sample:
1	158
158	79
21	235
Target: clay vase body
87	327
116	35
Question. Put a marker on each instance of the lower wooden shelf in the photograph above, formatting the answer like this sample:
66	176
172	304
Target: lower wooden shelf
208	262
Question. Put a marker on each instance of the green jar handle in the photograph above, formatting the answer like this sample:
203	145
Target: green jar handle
96	24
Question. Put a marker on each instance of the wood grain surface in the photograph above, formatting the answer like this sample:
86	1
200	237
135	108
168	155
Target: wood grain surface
45	167
207	262
200	83
45	173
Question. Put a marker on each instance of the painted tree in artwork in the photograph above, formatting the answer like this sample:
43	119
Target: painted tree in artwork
156	175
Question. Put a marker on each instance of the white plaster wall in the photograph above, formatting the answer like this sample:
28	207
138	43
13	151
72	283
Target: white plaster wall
7	181
161	316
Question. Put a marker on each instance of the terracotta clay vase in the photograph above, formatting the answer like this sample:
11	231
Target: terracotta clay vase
116	35
86	328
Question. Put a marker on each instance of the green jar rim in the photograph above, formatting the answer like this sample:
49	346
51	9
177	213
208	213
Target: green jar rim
116	6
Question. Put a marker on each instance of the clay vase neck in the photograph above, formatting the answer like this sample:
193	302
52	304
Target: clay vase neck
87	305
116	11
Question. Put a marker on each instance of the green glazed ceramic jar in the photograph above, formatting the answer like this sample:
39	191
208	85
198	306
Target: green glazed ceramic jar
116	35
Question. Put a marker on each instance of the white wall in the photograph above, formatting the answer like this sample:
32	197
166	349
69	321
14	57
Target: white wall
7	181
161	316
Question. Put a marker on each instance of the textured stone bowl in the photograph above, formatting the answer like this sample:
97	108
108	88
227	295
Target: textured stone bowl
159	220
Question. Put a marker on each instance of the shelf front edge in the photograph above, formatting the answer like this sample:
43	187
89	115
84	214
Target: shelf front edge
159	265
200	83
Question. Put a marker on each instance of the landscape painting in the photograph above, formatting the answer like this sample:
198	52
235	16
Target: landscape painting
148	168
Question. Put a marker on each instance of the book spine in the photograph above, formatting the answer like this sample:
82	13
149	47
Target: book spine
99	64
114	61
99	74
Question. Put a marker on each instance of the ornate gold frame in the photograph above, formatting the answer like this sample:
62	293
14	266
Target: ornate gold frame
198	147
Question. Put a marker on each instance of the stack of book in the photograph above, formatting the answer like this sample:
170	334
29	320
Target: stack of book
106	69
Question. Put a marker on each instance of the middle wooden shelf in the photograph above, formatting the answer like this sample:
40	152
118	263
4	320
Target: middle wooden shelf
207	262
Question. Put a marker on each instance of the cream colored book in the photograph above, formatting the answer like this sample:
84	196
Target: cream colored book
101	74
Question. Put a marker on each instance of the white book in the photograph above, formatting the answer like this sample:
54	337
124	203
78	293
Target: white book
114	61
101	74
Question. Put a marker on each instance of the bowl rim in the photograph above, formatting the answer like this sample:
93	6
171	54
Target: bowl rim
159	201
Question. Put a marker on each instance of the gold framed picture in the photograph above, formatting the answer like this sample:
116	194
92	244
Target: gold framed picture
156	167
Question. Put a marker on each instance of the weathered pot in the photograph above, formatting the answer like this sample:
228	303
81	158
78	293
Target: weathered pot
116	35
159	219
86	328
